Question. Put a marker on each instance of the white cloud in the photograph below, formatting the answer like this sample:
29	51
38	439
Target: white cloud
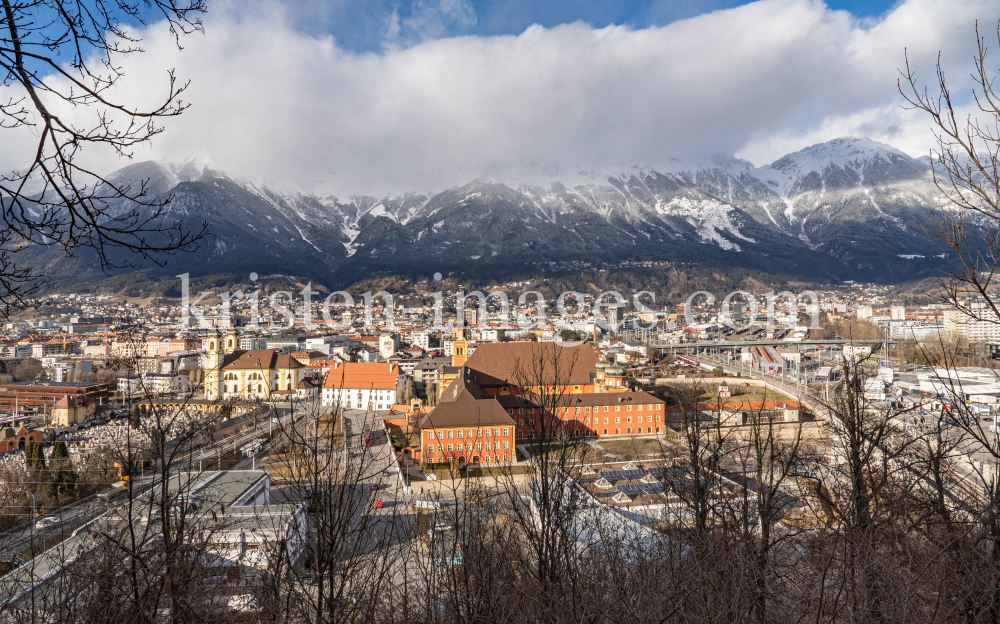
758	80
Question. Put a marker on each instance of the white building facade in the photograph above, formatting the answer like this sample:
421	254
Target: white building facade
364	385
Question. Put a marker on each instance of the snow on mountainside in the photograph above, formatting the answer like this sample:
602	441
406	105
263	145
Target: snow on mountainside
847	153
847	208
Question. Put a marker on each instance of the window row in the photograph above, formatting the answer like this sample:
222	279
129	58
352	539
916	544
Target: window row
597	408
489	459
469	433
466	447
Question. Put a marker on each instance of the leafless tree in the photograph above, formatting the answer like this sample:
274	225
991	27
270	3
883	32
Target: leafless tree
543	508
60	56
966	167
702	440
770	458
355	553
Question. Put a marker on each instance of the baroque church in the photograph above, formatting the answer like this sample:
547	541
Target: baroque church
234	374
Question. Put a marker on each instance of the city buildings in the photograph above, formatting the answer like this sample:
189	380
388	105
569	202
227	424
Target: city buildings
32	397
152	384
765	360
978	324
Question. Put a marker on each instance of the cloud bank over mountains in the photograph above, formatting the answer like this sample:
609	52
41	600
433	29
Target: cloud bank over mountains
272	102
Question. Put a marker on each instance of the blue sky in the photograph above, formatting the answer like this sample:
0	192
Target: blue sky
360	25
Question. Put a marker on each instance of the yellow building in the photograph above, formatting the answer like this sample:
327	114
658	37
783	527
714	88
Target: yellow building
71	410
233	374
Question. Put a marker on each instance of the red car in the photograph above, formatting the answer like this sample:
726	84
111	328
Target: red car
378	503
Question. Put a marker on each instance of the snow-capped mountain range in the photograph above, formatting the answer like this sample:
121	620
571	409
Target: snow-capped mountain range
851	208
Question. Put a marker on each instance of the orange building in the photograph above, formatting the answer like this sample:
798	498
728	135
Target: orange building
467	427
587	415
526	390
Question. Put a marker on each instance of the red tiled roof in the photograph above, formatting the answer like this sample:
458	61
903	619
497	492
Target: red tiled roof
368	375
264	359
69	402
532	363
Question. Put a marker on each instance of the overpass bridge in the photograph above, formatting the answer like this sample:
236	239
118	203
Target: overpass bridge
731	344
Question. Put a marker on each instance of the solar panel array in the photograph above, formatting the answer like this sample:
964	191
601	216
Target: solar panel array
607	494
623	475
641	488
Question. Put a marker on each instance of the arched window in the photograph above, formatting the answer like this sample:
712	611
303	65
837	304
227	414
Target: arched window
617	431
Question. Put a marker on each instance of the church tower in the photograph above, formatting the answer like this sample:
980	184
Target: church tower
232	341
460	348
213	365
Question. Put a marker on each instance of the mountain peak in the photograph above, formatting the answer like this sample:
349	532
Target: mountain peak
854	152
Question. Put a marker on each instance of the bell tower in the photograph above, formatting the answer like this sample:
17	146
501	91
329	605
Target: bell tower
459	348
231	341
213	365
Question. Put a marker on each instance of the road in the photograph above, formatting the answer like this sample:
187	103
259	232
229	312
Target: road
395	527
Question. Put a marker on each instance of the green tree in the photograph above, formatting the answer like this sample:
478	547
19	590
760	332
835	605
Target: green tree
568	335
718	372
34	457
59	452
62	475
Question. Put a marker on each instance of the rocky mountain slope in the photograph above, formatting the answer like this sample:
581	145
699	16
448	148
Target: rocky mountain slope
851	208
